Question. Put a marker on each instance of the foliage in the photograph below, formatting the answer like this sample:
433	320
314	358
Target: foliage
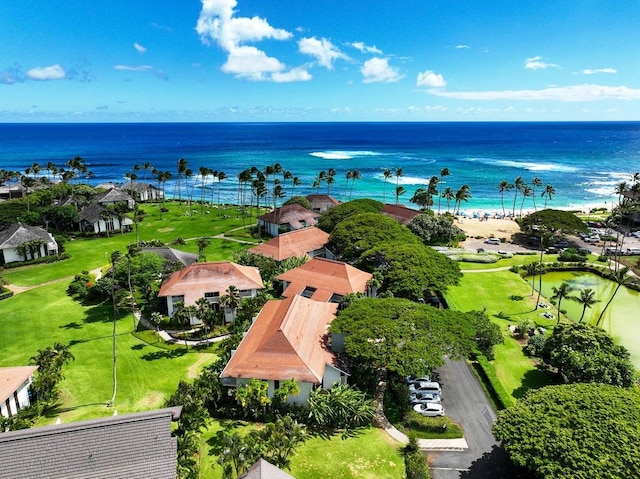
253	397
535	345
341	407
61	218
79	287
488	334
577	430
571	255
359	233
403	337
330	219
50	361
298	200
268	266
435	230
194	415
489	377
585	353
552	220
415	463
143	269
410	270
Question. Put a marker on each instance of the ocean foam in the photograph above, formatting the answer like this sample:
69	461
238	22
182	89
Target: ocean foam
536	166
342	155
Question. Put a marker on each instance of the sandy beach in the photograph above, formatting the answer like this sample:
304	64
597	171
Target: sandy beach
487	227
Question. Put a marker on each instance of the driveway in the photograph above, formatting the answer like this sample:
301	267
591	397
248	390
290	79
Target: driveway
466	403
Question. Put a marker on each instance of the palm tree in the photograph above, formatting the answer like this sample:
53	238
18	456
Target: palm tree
502	187
182	169
548	191
399	192
387	174
535	183
156	318
221	176
621	278
532	269
355	175
146	166
295	181
27	182
331	173
448	195
421	198
559	293
526	192
203	172
518	185
348	176
463	194
231	300
203	243
163	176
587	299
443	172
398	173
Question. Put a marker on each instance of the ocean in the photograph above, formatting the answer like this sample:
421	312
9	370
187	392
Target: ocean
582	161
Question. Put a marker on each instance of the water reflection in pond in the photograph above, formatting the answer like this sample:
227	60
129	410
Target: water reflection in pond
621	319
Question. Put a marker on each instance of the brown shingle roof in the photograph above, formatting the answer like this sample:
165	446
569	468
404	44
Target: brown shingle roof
400	213
291	214
113	195
199	278
285	342
294	243
12	378
327	276
17	234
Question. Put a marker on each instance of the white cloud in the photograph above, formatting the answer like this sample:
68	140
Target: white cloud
322	50
218	24
430	79
295	74
142	68
52	72
461	47
573	93
536	63
139	48
599	70
365	48
378	70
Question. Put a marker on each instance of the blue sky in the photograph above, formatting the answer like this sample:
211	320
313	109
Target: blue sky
326	60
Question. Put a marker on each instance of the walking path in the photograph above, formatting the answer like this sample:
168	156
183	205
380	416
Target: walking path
166	335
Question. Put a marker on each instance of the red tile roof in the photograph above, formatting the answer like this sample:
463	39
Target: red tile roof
294	243
285	342
199	278
327	276
291	214
400	213
12	378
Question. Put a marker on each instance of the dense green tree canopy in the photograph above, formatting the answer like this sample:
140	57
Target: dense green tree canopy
434	230
144	269
585	353
329	220
553	220
298	200
410	269
574	430
357	234
403	337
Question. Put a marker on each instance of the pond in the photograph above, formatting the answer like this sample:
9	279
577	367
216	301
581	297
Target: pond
621	319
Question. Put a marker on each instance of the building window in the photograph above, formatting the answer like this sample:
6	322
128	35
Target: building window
245	293
211	296
335	298
308	291
177	299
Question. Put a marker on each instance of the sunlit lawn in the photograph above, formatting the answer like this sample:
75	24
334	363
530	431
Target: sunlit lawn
371	454
146	375
493	291
94	252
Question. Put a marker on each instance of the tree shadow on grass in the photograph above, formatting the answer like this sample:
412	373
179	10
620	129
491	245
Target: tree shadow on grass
495	464
138	347
57	409
98	314
164	354
532	379
216	442
72	325
73	342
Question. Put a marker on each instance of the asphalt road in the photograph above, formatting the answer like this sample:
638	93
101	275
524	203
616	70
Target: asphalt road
465	402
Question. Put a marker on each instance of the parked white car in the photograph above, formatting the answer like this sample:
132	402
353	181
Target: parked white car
417	379
492	241
425	387
417	397
429	409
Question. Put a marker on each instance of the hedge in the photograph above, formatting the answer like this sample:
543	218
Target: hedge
43	260
5	293
487	373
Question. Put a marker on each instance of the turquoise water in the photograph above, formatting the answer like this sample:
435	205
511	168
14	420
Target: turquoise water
582	161
622	317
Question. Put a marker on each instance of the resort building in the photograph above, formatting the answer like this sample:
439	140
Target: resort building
325	280
21	242
311	242
171	256
287	218
262	469
143	191
114	196
400	213
210	281
288	340
322	203
14	389
135	446
98	219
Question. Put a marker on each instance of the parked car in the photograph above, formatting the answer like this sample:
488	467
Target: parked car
592	239
562	244
419	397
417	379
425	387
634	251
492	241
429	409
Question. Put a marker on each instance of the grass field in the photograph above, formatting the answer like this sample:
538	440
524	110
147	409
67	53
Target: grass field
147	375
498	292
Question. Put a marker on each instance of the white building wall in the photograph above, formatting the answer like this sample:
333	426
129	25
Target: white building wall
23	401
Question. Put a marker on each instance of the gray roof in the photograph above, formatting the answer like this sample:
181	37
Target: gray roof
172	255
265	470
138	187
113	195
92	213
17	234
133	446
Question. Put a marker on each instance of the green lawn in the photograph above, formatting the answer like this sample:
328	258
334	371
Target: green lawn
493	290
94	252
146	375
